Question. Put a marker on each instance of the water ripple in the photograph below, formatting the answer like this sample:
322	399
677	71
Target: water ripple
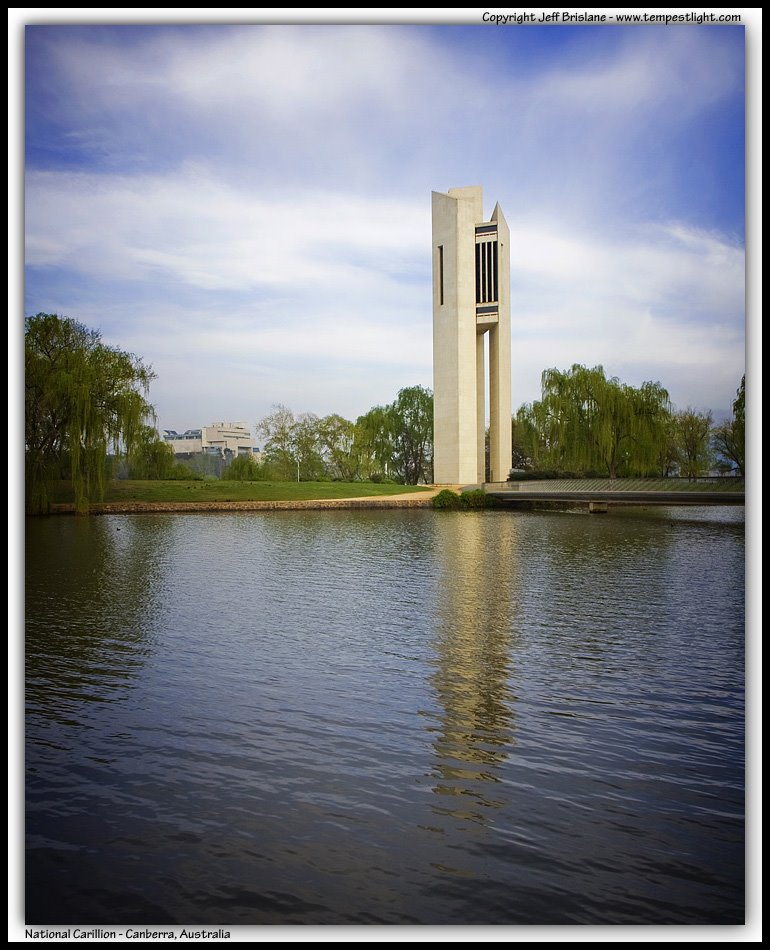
385	717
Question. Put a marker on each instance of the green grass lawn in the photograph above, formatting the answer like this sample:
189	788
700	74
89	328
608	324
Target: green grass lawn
217	490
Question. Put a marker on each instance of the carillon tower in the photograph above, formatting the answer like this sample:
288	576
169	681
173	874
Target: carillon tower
471	298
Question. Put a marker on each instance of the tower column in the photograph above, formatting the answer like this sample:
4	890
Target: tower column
471	297
481	415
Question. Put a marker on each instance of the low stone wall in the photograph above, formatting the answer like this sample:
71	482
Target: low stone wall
416	500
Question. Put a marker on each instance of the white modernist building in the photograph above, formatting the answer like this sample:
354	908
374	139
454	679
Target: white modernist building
471	299
222	439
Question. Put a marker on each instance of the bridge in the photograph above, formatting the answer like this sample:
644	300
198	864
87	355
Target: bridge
599	493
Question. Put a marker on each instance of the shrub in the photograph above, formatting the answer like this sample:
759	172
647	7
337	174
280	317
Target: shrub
447	500
476	498
181	473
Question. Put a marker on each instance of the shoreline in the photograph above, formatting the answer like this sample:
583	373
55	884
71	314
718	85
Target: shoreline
423	499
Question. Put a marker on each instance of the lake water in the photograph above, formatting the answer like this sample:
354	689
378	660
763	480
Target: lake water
386	717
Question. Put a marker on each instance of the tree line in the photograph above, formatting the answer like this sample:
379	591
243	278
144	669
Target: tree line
389	443
588	424
86	408
86	415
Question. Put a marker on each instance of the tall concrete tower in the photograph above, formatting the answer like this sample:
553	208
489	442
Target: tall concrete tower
471	297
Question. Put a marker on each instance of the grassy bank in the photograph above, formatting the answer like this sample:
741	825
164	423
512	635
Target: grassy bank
216	490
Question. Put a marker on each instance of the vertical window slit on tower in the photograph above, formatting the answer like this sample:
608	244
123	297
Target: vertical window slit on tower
441	274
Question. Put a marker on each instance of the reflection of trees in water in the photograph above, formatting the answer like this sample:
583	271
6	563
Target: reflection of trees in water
92	593
479	583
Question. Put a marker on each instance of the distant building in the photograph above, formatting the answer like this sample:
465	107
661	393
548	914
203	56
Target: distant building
225	440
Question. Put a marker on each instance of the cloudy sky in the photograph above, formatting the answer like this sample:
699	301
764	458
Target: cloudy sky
247	207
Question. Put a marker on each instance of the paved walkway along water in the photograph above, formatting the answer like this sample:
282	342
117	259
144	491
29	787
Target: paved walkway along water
632	491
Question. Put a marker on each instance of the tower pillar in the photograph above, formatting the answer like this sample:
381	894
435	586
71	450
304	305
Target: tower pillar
471	298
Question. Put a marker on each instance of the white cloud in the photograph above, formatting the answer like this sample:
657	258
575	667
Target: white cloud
202	232
374	109
666	304
271	214
652	70
668	265
341	280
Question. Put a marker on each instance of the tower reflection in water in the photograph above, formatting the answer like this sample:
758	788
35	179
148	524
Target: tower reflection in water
474	639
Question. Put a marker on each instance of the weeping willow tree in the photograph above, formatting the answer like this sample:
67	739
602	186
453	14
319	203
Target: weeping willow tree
586	422
374	441
529	449
83	400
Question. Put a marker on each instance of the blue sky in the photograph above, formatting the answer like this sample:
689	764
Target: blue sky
247	207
